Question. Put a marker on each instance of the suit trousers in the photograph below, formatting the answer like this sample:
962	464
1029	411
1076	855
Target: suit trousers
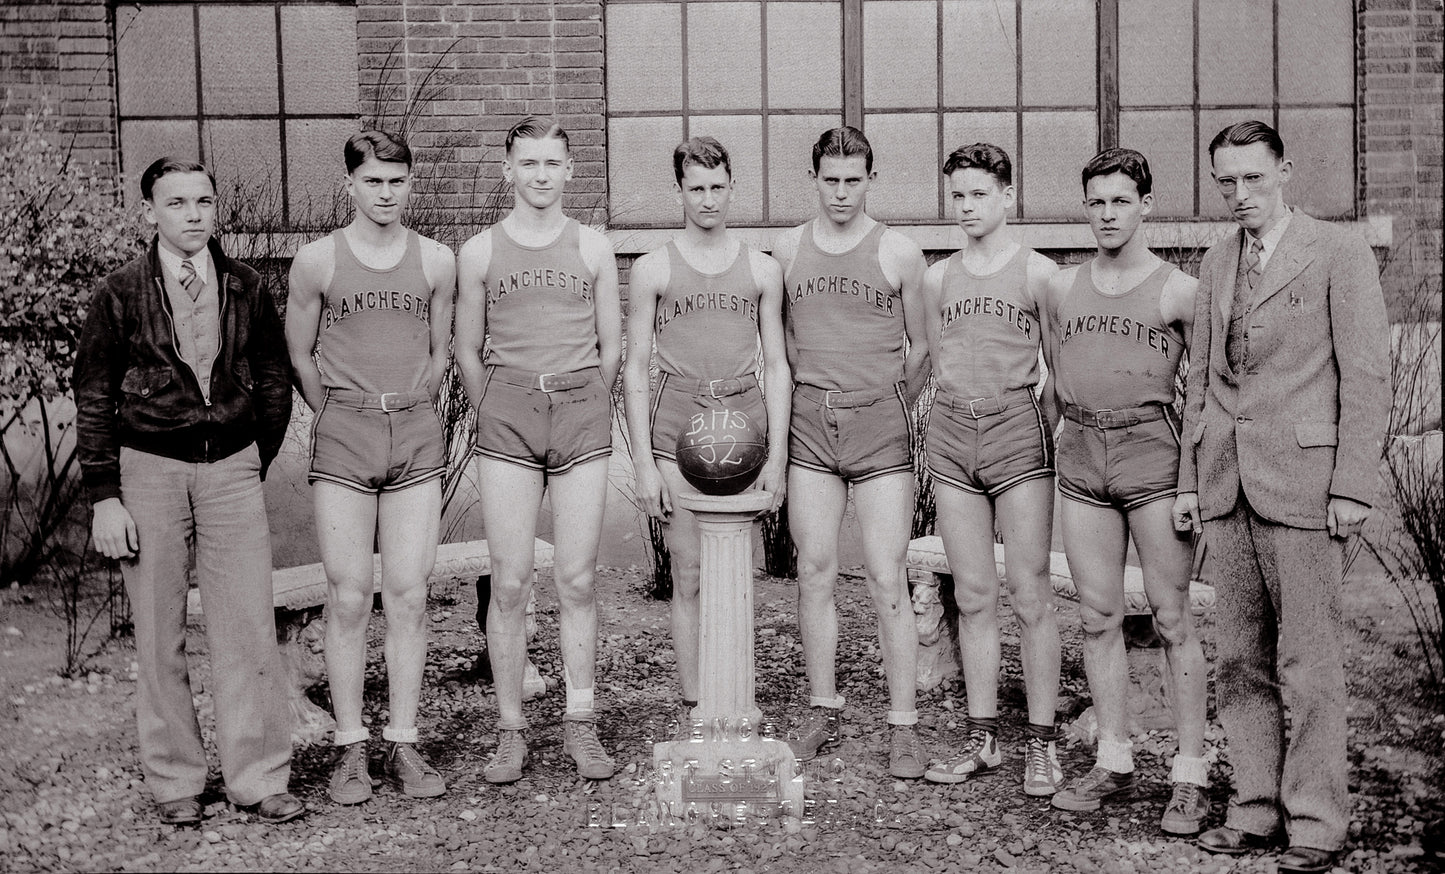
1281	658
219	506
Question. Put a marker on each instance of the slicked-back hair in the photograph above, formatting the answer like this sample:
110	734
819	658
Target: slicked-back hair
981	156
1126	161
1245	133
704	152
843	142
535	127
169	164
381	145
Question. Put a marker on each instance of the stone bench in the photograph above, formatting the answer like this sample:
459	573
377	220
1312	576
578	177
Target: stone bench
299	595
936	617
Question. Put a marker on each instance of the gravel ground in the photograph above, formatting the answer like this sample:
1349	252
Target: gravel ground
72	798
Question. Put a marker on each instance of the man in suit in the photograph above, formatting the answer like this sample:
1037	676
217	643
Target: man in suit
1287	399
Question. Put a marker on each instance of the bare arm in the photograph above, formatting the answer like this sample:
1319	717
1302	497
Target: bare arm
1055	287
471	315
1041	271
777	376
903	264
311	272
606	303
648	279
931	294
440	266
1196	381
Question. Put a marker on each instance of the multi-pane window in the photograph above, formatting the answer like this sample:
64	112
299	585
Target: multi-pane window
1051	81
264	93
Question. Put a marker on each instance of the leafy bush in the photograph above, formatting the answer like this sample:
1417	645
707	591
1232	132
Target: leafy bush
63	226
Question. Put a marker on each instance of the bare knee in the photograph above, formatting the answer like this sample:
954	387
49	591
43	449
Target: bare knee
404	602
510	594
1174	625
977	599
1098	621
890	592
818	568
1032	603
575	586
350	602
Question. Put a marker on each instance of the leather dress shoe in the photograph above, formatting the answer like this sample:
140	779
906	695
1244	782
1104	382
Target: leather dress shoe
278	808
1233	842
1308	859
181	811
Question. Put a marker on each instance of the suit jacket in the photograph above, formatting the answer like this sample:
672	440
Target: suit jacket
1304	419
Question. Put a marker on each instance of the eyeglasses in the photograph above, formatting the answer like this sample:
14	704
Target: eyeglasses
1252	181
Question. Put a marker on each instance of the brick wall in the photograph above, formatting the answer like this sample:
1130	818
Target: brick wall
1400	138
57	52
474	68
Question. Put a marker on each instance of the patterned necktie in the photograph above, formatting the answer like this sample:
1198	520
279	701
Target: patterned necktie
1252	265
189	276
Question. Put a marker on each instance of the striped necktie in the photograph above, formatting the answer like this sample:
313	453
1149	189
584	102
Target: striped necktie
1253	267
188	279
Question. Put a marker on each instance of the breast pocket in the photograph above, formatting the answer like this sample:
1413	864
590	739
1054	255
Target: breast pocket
145	382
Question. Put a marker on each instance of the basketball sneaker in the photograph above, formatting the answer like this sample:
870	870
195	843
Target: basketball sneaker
980	753
1089	791
1042	774
906	755
507	762
580	741
818	729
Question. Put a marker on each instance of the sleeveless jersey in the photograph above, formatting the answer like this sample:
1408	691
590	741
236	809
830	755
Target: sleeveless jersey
845	319
375	324
989	334
1115	352
706	325
539	304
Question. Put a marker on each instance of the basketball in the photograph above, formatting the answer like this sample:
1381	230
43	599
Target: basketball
721	451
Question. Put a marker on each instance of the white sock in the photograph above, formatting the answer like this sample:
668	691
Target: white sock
818	701
903	717
1190	770
579	703
1117	756
399	735
347	738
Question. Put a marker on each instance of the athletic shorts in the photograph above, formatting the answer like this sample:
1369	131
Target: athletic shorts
1121	459
376	443
676	400
855	435
550	422
987	446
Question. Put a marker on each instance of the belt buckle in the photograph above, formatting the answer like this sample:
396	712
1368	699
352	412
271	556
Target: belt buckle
731	385
1104	418
544	381
974	413
828	396
386	407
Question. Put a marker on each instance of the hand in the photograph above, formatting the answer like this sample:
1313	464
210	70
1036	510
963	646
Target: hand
652	492
114	530
1186	513
774	479
1345	517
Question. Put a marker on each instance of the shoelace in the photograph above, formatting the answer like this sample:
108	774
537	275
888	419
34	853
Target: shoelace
977	742
509	749
1095	778
1186	795
905	743
353	767
1036	757
411	759
586	742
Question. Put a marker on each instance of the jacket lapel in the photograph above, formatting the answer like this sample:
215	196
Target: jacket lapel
1296	249
1227	268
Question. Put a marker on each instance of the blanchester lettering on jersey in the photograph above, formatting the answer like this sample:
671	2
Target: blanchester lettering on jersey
880	298
541	278
704	301
1118	326
362	301
989	306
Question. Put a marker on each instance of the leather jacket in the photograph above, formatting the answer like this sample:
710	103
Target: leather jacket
133	389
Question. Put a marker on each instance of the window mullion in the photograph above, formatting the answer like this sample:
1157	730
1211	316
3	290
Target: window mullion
1108	41
853	63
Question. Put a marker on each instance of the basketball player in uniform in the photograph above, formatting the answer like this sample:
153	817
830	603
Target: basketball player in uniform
991	456
1118	325
543	290
706	301
855	341
367	323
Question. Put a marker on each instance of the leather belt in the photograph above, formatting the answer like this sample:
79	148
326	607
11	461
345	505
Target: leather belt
978	408
546	382
1107	419
713	388
835	399
387	402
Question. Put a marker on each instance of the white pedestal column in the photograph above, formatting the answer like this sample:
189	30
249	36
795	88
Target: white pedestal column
724	759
